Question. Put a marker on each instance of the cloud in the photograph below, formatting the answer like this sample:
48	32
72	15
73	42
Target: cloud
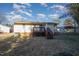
20	9
40	15
30	10
25	12
14	18
17	17
12	13
44	4
18	6
9	18
28	4
59	7
17	13
54	16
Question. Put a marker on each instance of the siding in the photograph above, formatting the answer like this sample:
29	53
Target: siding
4	29
22	28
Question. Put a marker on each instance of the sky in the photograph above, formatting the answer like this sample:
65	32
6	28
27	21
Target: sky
36	12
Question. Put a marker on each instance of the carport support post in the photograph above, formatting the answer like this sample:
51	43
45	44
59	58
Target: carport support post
24	29
33	31
46	30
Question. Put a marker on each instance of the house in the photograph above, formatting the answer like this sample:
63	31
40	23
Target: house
29	28
4	29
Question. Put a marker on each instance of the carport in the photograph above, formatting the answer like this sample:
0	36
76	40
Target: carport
36	28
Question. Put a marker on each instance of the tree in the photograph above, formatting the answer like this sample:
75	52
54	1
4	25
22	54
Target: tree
74	11
68	22
69	25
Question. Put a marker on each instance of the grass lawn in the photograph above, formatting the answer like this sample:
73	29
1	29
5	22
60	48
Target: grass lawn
63	44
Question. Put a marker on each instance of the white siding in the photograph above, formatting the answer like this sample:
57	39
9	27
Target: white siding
22	28
18	28
4	29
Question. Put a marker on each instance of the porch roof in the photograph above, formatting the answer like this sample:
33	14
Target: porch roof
34	23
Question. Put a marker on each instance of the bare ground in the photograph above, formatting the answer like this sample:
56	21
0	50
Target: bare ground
61	45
